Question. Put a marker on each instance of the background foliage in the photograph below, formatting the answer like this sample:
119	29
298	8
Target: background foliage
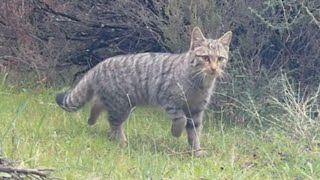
274	42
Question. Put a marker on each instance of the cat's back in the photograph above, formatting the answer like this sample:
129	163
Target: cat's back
125	61
141	75
140	64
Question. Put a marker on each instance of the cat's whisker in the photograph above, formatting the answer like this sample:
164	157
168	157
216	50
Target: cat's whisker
222	75
198	73
201	76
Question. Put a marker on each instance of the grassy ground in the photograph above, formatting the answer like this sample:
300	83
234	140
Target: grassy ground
37	133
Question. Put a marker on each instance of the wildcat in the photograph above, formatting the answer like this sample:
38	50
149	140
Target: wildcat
181	84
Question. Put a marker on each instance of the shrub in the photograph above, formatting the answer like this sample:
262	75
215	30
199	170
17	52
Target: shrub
271	38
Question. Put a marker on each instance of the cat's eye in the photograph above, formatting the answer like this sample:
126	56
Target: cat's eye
206	58
220	59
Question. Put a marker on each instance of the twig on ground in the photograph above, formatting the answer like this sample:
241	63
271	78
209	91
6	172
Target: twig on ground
38	172
9	169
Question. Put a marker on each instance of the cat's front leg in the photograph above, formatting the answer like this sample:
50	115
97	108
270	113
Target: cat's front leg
178	118
194	127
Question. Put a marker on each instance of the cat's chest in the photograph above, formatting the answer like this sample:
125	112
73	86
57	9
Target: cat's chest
197	97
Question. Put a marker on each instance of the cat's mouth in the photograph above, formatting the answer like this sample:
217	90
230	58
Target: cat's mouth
214	72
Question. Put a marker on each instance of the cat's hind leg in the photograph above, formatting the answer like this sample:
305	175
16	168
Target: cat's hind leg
96	110
116	120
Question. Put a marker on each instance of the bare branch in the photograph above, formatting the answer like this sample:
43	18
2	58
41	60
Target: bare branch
42	173
312	16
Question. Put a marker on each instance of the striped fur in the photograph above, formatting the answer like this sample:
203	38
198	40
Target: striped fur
181	84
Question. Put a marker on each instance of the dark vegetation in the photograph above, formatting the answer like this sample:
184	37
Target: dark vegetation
47	36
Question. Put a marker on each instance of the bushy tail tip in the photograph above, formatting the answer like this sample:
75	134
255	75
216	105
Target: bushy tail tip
60	99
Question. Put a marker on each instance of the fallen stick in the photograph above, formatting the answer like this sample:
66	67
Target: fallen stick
37	172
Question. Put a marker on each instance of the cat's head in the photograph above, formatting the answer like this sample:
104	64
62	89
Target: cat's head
210	55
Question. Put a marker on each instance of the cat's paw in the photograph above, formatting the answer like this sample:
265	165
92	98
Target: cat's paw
91	121
123	143
118	135
178	127
200	153
176	132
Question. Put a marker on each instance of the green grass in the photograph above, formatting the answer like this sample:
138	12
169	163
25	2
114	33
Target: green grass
38	134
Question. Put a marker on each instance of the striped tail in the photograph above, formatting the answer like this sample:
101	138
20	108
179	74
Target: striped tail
75	99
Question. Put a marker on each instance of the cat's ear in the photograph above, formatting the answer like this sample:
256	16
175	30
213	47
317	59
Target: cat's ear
226	39
197	38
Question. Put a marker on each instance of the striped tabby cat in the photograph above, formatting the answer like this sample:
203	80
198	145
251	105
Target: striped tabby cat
181	84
